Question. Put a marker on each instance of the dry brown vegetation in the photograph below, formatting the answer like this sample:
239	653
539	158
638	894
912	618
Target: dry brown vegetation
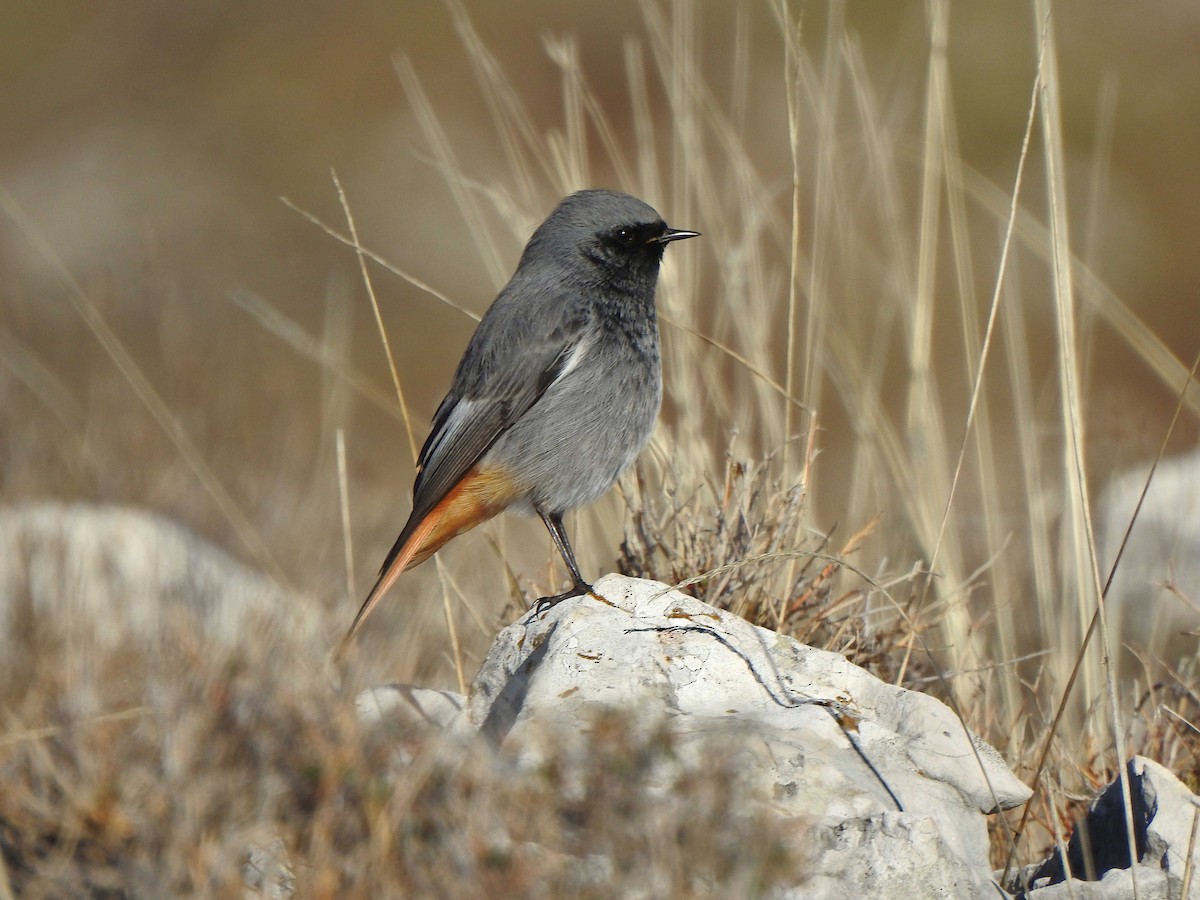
963	561
206	779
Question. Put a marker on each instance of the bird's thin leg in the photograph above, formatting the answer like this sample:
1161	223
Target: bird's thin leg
559	535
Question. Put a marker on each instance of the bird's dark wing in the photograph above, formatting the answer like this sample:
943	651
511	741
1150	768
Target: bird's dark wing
487	397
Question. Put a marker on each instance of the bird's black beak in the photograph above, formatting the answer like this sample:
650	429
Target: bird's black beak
672	234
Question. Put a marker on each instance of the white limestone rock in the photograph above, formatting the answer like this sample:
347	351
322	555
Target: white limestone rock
117	573
887	788
104	578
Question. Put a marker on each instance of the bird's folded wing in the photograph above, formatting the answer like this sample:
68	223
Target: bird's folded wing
473	417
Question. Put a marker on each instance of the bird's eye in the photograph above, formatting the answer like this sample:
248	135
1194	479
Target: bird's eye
625	237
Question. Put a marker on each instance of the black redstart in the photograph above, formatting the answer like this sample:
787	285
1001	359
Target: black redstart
557	391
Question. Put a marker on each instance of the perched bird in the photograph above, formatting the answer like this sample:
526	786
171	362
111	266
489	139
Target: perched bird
557	391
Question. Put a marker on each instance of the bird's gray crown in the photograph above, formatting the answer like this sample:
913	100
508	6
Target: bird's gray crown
607	228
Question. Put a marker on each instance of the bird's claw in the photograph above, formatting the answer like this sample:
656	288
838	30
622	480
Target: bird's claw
544	604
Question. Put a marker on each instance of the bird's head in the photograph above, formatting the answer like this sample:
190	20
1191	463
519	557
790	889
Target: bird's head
604	234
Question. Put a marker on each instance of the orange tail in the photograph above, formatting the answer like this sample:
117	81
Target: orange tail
479	496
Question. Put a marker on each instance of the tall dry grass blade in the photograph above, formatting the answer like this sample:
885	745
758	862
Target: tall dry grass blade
646	146
566	55
344	506
1006	580
383	338
981	365
145	391
733	174
1087	574
1079	569
1035	238
739	80
451	627
791	74
447	162
337	328
922	421
825	180
1098	185
748	364
723	196
924	426
883	447
1189	866
523	144
894	285
564	52
1038	509
476	619
379	260
687	173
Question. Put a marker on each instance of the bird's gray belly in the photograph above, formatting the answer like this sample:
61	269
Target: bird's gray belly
576	440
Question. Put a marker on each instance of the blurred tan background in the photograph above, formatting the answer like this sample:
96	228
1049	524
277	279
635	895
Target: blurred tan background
149	144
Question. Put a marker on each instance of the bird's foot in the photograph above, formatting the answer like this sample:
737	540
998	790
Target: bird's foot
545	603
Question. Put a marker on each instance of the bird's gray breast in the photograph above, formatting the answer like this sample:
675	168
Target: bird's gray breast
589	425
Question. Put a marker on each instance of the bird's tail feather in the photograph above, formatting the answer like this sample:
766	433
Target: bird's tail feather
480	495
